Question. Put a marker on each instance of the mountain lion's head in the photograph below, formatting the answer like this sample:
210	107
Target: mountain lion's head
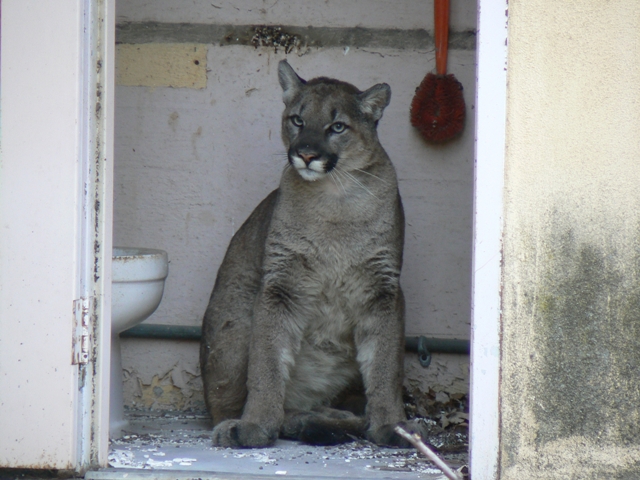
328	124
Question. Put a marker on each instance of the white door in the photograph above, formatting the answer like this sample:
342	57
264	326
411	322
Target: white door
55	232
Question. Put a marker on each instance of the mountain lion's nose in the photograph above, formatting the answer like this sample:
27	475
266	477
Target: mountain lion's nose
308	157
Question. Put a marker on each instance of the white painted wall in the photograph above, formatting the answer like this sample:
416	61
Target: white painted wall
191	164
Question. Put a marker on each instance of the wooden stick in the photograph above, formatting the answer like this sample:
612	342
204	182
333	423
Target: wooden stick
441	34
417	442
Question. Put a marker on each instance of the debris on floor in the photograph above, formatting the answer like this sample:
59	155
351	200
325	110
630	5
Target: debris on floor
182	441
446	417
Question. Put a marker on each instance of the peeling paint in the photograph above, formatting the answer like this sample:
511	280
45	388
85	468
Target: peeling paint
446	373
173	386
289	37
156	382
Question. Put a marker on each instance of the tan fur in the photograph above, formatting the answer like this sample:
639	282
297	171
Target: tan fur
307	305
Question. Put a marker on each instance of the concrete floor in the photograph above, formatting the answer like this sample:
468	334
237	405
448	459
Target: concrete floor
169	446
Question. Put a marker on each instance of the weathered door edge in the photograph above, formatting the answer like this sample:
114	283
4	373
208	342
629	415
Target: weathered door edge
96	224
487	243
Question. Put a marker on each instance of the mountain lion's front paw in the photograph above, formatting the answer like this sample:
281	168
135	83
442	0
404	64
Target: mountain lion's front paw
387	437
242	434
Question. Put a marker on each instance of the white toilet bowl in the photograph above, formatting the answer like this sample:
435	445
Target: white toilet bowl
137	285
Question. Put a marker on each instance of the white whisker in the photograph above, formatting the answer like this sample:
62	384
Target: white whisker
371	174
356	181
338	178
334	180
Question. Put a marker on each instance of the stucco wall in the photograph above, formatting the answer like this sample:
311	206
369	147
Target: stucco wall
194	158
571	293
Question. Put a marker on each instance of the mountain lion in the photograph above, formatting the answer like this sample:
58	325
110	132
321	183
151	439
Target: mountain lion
304	333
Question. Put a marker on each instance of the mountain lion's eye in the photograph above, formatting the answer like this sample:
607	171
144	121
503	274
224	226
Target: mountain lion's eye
338	127
297	121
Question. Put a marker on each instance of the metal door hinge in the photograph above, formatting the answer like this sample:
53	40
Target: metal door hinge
82	309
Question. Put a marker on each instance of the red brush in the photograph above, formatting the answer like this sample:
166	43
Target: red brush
438	109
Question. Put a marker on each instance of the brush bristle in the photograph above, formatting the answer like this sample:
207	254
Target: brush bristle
437	109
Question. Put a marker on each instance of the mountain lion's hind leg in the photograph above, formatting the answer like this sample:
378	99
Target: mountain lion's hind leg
323	426
224	355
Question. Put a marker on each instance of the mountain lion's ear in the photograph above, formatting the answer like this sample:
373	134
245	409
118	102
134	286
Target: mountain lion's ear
374	101
289	81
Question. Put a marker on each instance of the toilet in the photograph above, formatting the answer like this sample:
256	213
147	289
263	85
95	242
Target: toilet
137	285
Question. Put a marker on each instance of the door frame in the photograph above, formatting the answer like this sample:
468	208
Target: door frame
491	97
96	219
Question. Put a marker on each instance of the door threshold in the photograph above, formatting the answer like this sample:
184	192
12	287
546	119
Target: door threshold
134	474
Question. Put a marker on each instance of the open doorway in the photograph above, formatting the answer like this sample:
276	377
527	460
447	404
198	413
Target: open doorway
183	143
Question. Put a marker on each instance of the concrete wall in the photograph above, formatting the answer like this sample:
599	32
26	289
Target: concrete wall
198	146
571	304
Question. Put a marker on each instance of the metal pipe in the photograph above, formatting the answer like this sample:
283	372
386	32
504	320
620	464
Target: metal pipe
163	332
423	346
438	345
